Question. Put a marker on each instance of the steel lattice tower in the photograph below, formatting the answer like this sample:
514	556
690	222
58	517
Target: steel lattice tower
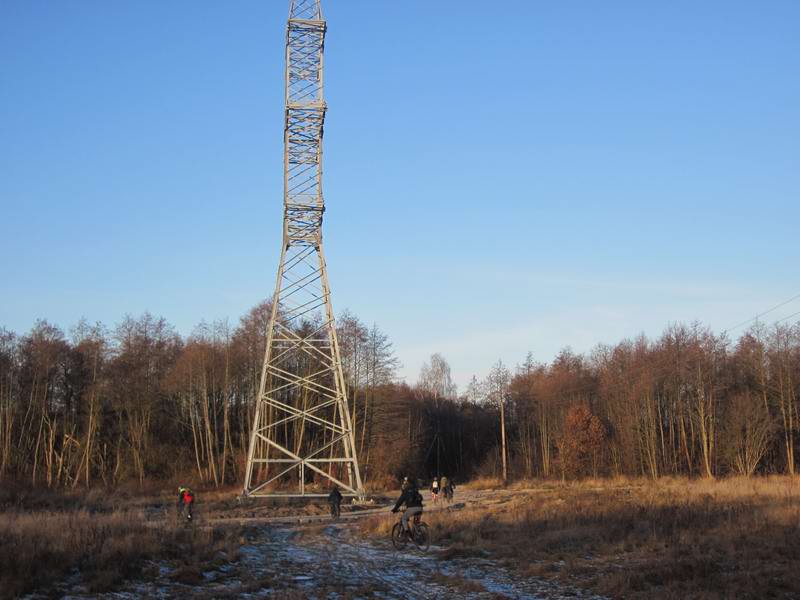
302	421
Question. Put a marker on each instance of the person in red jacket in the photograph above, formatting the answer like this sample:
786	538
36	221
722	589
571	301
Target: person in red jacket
185	502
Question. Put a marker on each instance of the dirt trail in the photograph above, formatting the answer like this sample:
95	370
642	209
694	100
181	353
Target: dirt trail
324	560
334	562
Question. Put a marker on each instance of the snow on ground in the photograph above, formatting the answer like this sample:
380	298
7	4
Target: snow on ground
333	562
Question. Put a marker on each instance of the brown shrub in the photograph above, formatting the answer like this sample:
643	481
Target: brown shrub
583	443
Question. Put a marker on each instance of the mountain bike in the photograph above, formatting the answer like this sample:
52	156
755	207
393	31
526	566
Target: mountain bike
417	532
185	513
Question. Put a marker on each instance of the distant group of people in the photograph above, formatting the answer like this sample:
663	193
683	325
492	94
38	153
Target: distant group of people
186	500
444	486
409	496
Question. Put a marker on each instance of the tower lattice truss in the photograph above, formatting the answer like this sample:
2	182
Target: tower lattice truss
302	437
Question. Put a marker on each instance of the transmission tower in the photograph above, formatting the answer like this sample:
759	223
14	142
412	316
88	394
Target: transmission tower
302	424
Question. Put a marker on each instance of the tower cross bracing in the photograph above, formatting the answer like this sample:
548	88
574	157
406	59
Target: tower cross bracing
301	424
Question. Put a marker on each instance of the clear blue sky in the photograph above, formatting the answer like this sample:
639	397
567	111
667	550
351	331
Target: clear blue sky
500	177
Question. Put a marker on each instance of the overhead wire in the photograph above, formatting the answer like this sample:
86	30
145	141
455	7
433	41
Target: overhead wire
658	364
766	312
787	318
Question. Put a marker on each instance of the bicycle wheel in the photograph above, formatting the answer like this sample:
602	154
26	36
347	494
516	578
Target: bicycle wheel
422	537
399	538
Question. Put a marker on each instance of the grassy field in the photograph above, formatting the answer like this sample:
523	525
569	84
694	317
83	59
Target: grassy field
673	538
100	538
97	539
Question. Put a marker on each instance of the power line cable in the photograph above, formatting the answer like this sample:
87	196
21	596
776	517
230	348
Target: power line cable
659	363
766	312
787	318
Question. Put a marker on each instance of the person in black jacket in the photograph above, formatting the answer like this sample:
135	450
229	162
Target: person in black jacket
335	500
413	501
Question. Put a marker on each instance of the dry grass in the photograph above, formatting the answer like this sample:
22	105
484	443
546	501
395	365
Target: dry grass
484	483
47	538
674	538
462	584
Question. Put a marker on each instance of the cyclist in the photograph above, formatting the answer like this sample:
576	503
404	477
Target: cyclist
444	483
335	500
185	502
448	490
413	501
435	490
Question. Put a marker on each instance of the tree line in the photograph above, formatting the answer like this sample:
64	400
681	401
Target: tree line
691	402
134	402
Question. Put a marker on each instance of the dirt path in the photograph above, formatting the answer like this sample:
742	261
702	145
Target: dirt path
349	513
334	562
281	559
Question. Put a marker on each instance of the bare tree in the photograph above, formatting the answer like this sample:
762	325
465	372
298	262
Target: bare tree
435	378
497	384
747	430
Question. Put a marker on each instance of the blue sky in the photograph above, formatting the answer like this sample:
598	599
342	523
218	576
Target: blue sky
499	177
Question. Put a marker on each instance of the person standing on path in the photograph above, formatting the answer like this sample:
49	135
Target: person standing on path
335	500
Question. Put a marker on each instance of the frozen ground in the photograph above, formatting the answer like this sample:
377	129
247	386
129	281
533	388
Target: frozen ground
333	561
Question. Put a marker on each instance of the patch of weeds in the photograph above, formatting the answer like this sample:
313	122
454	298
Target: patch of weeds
460	551
102	581
458	583
188	575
